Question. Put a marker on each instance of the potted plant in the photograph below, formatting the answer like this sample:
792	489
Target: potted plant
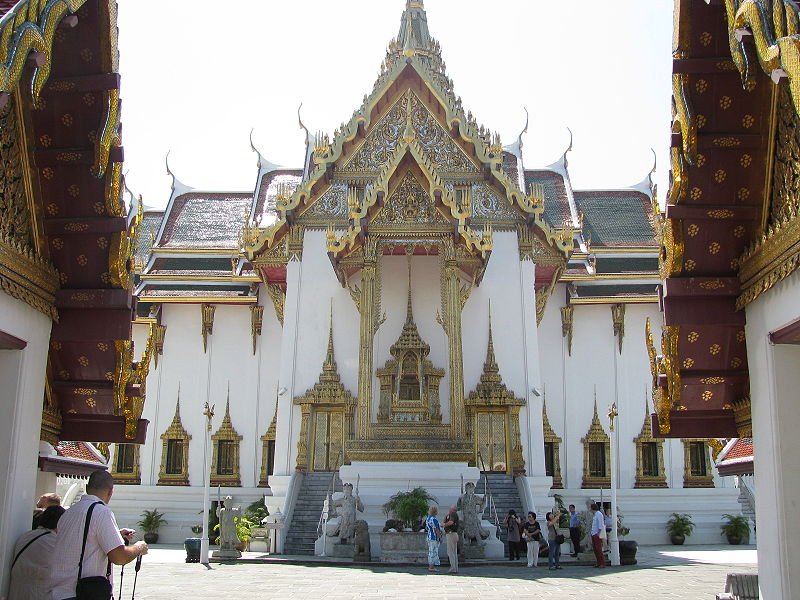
409	507
679	526
151	521
197	529
736	528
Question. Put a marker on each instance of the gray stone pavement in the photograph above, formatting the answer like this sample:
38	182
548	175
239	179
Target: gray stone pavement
689	572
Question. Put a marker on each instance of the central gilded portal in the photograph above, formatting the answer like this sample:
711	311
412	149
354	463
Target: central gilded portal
409	383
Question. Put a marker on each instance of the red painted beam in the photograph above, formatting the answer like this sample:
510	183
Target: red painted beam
10	342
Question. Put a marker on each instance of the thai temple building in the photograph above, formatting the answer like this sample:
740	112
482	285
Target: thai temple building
410	304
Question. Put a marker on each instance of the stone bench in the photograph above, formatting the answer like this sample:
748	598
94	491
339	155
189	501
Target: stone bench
740	586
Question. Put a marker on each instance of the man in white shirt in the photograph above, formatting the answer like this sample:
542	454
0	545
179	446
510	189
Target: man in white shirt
104	543
598	524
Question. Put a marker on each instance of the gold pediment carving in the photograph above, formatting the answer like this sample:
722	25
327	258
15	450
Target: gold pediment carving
409	117
408	205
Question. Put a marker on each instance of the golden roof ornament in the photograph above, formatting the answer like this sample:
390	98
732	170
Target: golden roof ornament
414	35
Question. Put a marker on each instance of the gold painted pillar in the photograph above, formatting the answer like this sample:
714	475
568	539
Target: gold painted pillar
368	305
451	309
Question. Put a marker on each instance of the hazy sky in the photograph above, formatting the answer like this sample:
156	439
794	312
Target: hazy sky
197	76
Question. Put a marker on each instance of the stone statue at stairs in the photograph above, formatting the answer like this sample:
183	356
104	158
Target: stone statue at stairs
346	508
228	538
471	506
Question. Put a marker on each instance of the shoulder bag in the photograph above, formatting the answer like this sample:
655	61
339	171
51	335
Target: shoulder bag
92	588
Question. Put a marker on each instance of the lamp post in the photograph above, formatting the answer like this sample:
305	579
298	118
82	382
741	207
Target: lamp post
208	413
613	540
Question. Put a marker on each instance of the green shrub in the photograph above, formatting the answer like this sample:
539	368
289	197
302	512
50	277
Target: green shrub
680	524
151	521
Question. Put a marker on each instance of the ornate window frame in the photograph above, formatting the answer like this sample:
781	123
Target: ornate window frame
596	434
696	481
133	477
269	436
175	431
550	437
226	433
646	437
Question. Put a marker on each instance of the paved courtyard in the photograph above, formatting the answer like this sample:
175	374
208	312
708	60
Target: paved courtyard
693	572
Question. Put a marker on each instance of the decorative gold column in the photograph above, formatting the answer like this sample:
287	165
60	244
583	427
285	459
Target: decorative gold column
369	325
451	309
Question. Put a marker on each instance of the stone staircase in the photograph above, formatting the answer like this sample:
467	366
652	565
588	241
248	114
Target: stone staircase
506	497
307	509
746	500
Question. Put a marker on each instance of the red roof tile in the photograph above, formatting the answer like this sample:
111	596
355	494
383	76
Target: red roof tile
742	448
79	450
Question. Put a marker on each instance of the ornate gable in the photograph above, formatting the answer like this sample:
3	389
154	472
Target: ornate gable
412	110
409	114
408	205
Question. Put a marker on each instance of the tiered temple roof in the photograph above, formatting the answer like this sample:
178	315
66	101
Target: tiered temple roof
195	254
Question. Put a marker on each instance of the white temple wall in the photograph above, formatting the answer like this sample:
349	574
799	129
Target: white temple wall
502	287
22	376
774	381
306	324
204	377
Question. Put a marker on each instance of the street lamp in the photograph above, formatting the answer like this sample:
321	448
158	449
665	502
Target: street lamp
613	540
208	413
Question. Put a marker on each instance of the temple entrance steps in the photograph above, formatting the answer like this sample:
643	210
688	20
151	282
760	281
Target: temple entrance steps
506	497
307	509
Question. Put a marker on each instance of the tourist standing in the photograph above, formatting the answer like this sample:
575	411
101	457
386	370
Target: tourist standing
33	556
104	542
574	530
554	548
598	526
451	535
532	532
434	534
608	521
513	524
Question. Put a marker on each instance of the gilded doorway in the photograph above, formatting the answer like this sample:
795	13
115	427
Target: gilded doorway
327	440
491	441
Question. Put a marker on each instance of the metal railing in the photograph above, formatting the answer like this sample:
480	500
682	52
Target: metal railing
487	493
322	524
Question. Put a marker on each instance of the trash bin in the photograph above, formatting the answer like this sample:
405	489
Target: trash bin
192	546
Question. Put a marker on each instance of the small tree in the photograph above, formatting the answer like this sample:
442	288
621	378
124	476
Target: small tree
409	507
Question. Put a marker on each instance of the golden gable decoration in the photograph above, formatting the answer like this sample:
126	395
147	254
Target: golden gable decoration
697	467
327	410
225	453
491	407
125	467
650	471
267	451
596	458
175	451
551	438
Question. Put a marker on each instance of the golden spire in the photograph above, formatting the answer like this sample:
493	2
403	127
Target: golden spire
177	417
409	308
329	366
491	370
